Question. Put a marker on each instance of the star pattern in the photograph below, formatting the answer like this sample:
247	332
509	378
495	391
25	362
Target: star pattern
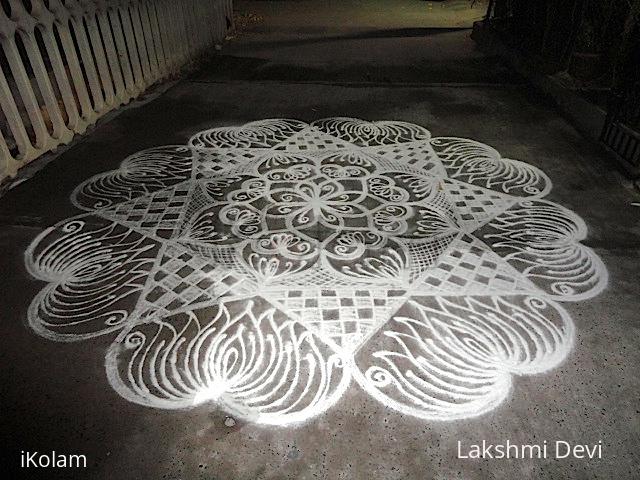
267	267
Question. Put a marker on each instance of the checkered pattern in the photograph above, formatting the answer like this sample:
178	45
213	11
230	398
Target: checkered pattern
475	205
183	278
425	255
226	257
311	140
418	156
316	277
157	214
470	268
209	163
345	315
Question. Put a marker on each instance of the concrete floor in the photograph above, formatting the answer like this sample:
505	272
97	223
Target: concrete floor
55	395
287	17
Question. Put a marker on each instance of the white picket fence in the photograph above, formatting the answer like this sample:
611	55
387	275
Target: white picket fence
66	63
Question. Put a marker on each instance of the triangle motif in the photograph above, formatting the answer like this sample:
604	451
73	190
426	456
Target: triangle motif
157	214
416	155
346	316
311	140
471	268
475	206
183	279
211	163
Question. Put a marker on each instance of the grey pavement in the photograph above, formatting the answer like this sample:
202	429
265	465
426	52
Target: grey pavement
55	395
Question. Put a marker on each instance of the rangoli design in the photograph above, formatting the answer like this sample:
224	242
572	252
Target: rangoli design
266	268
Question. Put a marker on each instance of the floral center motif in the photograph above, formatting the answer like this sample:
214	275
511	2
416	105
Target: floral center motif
288	213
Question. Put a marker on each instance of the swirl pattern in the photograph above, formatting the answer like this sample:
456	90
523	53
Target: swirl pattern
256	362
479	164
141	174
449	358
95	271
